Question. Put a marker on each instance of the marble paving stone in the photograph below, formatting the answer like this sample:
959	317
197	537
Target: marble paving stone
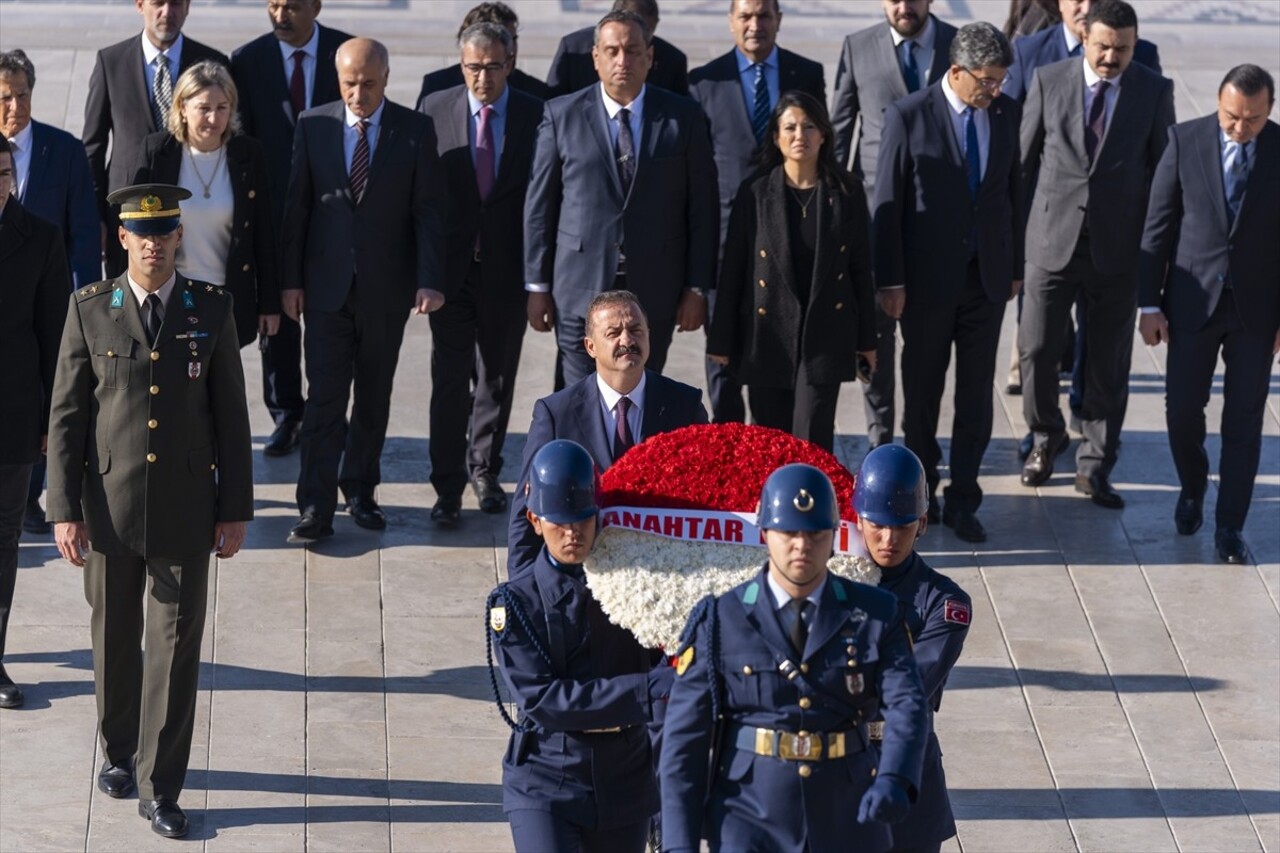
337	747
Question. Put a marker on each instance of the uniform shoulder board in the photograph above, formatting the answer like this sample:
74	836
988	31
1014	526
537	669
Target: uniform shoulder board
93	290
682	662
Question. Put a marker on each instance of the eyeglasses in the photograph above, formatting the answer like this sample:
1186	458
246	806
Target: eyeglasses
475	68
991	84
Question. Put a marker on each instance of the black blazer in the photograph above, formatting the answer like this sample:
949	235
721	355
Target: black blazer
760	322
118	111
1190	246
499	219
266	112
251	274
923	216
33	306
60	190
451	75
572	67
575	413
717	87
394	235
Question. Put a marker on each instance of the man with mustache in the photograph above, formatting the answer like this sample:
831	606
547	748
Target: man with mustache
280	75
1093	130
607	412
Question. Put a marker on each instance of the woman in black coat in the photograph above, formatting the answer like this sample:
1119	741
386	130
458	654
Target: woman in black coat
227	235
794	312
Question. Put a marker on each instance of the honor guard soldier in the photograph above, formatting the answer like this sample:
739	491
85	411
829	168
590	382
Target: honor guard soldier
579	770
150	467
892	501
775	683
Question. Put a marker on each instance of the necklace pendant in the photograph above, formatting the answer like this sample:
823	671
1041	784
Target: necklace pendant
206	194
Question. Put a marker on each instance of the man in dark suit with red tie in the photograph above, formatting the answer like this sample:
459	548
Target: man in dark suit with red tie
1209	283
130	92
279	76
485	131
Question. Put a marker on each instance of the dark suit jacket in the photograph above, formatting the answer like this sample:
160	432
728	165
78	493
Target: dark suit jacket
1111	194
451	75
109	383
868	79
717	87
118	110
1049	46
266	112
572	67
394	236
575	413
251	273
499	219
1190	247
32	307
924	218
760	322
60	189
577	219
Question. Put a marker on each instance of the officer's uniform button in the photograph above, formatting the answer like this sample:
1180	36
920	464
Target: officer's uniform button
804	667
761	311
213	466
746	670
839	306
805	771
245	268
840	277
155	356
253	193
873	772
852	662
111	354
151	457
153	423
763	253
805	702
762	282
155	389
843	247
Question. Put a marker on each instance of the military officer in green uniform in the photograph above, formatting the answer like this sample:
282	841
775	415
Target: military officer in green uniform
150	468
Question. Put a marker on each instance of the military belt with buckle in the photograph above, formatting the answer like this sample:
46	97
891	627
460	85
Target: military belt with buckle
796	746
607	731
875	731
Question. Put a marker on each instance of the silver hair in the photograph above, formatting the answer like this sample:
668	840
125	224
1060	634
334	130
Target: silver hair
15	61
980	45
486	33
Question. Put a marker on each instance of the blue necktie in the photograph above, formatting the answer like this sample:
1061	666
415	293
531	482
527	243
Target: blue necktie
972	158
760	108
1075	51
910	71
1235	177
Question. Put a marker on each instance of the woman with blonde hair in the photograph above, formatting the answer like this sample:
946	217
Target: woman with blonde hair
227	237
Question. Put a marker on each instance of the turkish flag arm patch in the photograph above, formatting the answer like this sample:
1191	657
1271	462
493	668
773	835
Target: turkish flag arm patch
956	611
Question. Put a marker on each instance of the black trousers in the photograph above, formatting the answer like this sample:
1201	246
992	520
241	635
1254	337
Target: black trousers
471	338
877	397
577	364
724	391
13	505
349	352
806	411
537	831
282	373
1110	303
930	327
1192	358
145	681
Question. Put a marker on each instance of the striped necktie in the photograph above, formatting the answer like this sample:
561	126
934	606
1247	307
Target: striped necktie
360	161
162	92
760	108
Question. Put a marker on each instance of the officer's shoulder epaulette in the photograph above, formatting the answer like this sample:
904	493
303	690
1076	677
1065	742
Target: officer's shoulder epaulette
100	288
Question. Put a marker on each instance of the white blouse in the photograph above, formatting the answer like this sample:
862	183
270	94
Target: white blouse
206	222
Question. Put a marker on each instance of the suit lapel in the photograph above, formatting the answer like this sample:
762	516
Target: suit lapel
13	228
460	124
39	160
1210	157
126	315
1071	107
388	134
589	404
941	112
888	58
772	210
941	55
553	587
1125	105
830	618
760	612
653	419
731	89
1263	161
331	145
998	152
325	87
137	82
597	119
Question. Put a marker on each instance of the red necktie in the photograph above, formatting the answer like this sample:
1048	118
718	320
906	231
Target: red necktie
485	153
1094	130
622	440
298	84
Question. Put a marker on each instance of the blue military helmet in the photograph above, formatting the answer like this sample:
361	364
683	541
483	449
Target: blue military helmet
798	497
891	489
562	483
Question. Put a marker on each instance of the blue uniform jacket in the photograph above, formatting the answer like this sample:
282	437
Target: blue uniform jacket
597	678
859	664
938	612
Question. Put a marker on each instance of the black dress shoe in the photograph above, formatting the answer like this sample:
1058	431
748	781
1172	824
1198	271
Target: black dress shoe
284	440
309	528
367	513
493	499
1188	515
447	512
1026	445
1039	466
10	693
965	524
165	816
1230	547
33	521
116	780
1099	490
934	512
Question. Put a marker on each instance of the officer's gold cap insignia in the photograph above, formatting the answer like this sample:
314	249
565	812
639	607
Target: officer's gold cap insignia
803	501
149	204
682	663
498	618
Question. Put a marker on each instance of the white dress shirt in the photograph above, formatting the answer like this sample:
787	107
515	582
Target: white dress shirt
311	49
609	403
980	120
21	152
350	134
1113	92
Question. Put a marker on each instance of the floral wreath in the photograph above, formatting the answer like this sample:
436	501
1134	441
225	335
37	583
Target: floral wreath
677	523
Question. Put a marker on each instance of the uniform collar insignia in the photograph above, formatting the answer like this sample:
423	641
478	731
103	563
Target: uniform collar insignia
117	298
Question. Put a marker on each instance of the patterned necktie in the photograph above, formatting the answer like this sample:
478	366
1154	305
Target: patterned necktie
626	151
910	70
1097	123
360	160
760	107
162	92
972	156
622	440
485	155
298	84
799	630
1235	177
153	318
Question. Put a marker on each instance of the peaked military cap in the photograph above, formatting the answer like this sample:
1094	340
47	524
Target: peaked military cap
149	208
